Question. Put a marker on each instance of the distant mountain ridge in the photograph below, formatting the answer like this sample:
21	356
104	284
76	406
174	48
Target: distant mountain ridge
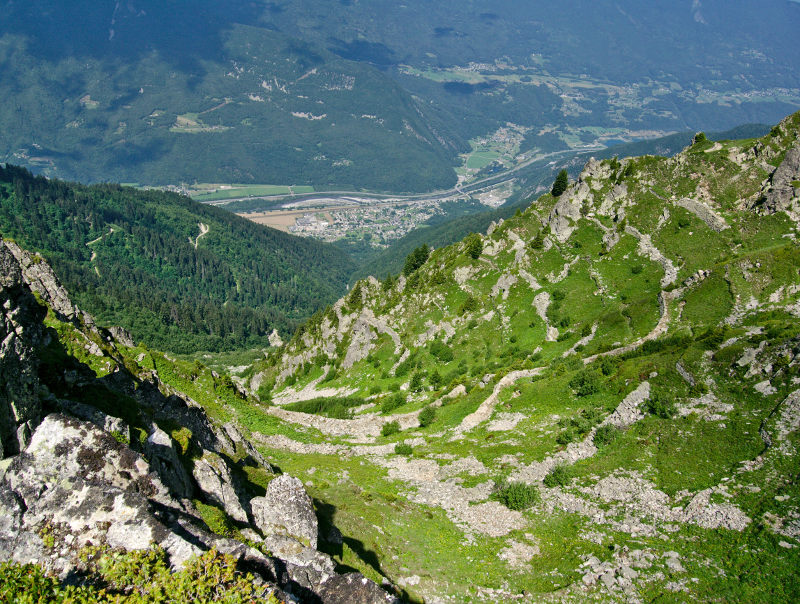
379	95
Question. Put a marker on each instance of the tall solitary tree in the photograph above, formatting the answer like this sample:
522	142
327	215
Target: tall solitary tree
560	184
474	246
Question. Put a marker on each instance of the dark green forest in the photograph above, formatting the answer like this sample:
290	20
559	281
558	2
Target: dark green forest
129	257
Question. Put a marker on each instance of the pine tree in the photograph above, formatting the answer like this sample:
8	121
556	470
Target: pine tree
560	184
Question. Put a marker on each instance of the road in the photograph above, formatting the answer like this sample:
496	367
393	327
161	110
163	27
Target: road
337	197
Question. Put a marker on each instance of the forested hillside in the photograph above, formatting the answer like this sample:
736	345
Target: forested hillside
180	275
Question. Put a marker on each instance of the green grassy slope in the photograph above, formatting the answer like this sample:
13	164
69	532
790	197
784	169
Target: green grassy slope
630	350
180	275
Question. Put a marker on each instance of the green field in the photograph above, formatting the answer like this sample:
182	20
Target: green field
214	193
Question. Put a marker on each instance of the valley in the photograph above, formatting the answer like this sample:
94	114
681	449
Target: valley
399	303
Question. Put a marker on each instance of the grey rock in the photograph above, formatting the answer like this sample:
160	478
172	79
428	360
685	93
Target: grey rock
107	423
122	336
688	377
353	588
294	552
608	579
215	480
20	333
286	509
780	194
160	450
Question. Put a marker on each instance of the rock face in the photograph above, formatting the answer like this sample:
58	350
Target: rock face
286	509
782	194
20	333
214	478
79	476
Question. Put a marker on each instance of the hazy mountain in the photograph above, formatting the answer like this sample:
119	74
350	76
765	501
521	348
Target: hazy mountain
375	95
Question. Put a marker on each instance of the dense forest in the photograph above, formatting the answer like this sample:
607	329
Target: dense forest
180	275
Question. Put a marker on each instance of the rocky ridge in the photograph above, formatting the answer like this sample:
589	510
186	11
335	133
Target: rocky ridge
75	476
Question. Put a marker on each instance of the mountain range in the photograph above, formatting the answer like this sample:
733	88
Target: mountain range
372	95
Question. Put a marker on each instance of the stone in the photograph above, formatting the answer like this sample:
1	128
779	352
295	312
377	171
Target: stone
353	588
160	450
21	332
214	478
286	509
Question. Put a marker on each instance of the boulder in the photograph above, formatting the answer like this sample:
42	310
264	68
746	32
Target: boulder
160	450
214	478
286	509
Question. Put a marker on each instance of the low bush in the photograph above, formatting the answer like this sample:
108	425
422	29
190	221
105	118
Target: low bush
517	495
605	435
403	449
559	476
427	416
390	403
390	428
660	405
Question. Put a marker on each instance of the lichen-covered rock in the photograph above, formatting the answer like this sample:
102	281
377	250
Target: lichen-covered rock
160	450
214	478
20	334
353	588
286	509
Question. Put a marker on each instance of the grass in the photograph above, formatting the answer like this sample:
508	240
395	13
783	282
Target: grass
210	192
679	446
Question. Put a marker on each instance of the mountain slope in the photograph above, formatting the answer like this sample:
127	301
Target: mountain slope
180	275
598	399
160	94
125	477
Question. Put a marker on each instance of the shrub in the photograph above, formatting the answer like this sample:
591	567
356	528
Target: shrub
517	495
403	449
390	403
585	383
605	435
336	407
468	305
607	366
558	476
427	416
660	405
441	351
637	269
390	428
137	577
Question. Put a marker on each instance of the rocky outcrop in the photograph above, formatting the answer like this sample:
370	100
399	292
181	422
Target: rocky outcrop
160	450
781	193
215	480
83	477
20	333
286	509
39	276
75	485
